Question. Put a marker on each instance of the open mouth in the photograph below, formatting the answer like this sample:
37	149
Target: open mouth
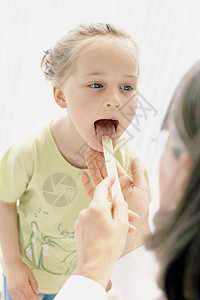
106	127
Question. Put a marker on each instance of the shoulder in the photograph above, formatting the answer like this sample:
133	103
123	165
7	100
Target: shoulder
27	145
24	152
17	167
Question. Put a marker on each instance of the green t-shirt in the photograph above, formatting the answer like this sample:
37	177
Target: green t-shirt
51	197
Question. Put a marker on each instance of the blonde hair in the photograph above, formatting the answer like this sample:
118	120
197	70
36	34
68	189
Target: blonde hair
57	61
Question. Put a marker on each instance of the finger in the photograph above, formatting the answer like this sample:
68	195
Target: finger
33	283
102	164
96	165
87	184
19	293
94	170
133	217
14	294
23	294
132	229
138	174
103	190
29	294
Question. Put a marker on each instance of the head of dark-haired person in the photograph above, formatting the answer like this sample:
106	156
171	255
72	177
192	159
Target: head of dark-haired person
176	239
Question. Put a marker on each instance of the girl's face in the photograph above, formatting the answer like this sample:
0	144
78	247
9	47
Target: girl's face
174	175
100	93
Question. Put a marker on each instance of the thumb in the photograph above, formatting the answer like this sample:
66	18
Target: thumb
137	173
33	283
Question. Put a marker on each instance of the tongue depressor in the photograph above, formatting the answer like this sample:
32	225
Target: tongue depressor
111	166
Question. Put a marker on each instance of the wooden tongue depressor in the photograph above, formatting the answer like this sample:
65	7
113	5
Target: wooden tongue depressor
111	166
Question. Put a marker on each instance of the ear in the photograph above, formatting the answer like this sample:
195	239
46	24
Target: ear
59	96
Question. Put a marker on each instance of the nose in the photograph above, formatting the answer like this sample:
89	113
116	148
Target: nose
113	99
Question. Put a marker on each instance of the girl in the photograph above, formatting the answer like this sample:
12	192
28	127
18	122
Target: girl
94	72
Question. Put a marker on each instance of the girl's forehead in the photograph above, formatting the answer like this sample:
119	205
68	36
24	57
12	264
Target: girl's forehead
112	50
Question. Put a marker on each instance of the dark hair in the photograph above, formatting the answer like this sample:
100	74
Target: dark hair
177	236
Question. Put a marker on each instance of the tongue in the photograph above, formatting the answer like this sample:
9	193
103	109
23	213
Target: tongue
105	127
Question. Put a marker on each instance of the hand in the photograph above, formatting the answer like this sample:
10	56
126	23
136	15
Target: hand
21	282
101	234
135	191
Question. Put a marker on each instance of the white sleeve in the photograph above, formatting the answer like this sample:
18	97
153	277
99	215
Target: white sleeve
134	276
80	287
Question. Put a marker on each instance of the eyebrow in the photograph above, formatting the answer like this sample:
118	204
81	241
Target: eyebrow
132	76
92	74
100	73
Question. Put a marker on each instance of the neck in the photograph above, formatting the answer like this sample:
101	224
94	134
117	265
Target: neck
69	142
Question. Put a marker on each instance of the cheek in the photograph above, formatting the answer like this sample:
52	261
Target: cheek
172	180
162	173
81	112
167	177
129	110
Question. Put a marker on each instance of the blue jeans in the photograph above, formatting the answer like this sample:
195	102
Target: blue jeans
6	294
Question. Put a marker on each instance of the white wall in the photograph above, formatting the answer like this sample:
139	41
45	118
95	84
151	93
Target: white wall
166	31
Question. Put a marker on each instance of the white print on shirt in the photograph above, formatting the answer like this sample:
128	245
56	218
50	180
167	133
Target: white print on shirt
44	249
59	189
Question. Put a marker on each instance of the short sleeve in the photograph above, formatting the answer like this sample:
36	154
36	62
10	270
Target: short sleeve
15	173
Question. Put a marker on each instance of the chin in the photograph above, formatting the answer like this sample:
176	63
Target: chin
96	147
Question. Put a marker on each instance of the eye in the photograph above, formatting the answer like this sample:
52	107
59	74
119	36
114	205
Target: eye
96	85
127	88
